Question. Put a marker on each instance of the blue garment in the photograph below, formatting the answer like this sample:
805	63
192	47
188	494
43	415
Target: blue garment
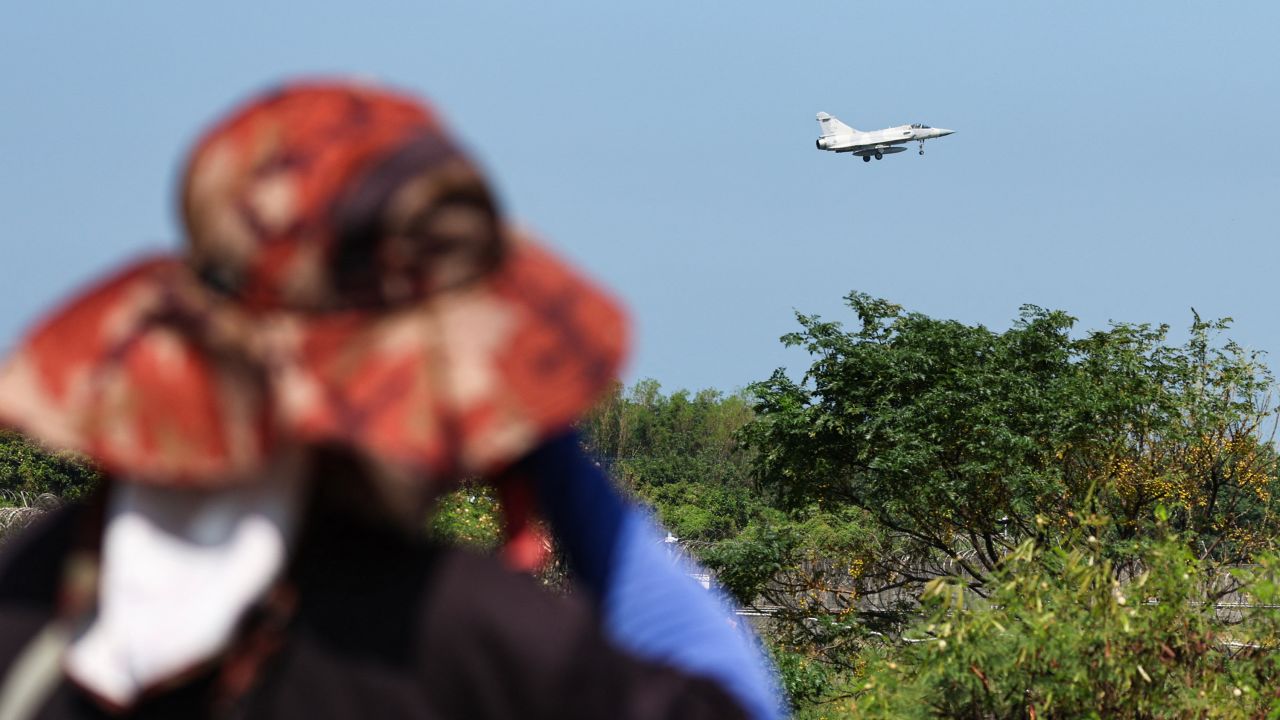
651	605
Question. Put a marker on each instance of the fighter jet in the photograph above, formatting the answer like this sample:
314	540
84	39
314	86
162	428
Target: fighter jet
838	137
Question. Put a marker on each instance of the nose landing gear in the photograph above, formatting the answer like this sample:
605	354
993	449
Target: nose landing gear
921	147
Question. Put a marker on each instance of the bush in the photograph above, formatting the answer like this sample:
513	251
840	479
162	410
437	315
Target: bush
469	516
1073	631
28	471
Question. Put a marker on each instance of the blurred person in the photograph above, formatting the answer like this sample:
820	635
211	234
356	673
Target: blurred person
352	329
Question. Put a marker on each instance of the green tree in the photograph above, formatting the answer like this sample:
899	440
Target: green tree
916	451
953	438
33	480
678	453
28	471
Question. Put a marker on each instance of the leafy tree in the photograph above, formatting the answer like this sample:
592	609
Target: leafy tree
679	454
33	480
919	453
954	438
28	471
647	438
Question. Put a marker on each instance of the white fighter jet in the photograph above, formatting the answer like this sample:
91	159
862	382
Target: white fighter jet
838	137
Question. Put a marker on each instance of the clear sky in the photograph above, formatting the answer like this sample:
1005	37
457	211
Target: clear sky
1115	160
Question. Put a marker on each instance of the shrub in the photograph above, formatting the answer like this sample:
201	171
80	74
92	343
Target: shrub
1076	630
28	471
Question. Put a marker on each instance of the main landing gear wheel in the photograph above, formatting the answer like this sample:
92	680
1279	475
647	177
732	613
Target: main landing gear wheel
866	158
879	156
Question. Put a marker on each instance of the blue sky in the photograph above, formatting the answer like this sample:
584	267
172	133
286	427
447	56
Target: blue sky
1115	160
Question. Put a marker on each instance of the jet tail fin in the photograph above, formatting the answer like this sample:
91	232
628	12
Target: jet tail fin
832	126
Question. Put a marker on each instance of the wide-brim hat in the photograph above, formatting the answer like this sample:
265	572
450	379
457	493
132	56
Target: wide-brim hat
348	278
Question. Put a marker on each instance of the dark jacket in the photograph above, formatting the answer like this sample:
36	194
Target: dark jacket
383	626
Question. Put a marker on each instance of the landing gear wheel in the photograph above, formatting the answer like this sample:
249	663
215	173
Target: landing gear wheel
921	147
866	158
921	152
879	156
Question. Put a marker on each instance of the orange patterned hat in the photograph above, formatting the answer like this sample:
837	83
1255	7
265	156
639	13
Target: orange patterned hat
348	279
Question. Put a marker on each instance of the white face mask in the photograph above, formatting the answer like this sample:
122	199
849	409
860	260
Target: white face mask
179	568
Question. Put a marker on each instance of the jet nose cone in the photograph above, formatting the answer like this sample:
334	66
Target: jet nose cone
943	132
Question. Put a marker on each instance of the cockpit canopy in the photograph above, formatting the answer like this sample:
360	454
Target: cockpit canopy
918	126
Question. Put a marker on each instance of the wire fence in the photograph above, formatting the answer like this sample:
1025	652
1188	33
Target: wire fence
22	509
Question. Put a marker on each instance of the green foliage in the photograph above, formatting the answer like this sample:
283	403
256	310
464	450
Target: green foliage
649	439
746	565
1067	632
27	471
929	458
699	510
955	437
469	516
680	455
924	460
807	682
797	563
